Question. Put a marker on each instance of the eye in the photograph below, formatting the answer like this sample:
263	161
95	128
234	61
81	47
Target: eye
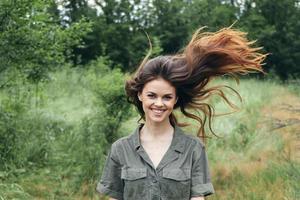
150	95
168	97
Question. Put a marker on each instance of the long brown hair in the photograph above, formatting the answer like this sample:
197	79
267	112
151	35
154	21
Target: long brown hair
207	55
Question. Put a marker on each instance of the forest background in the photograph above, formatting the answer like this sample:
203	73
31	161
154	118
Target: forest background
63	64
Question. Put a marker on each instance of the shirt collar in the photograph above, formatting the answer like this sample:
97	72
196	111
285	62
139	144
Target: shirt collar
177	141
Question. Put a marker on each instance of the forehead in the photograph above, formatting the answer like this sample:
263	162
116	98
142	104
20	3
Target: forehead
159	86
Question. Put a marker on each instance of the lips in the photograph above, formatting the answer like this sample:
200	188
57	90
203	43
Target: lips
158	111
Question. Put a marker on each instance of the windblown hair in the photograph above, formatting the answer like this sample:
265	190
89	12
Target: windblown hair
207	55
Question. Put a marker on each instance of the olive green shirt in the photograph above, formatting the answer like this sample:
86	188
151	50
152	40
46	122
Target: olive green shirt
182	173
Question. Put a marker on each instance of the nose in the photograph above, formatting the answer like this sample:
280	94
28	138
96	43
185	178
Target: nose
159	102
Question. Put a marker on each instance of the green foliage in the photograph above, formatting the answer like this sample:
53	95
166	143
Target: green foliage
115	110
117	30
31	41
275	25
240	137
54	134
25	137
293	85
13	191
8	138
57	157
81	151
211	14
170	25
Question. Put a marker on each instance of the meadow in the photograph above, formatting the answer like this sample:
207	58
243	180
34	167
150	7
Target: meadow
58	132
62	104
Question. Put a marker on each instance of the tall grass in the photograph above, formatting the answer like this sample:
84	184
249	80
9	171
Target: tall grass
55	135
64	129
248	159
247	162
293	85
13	191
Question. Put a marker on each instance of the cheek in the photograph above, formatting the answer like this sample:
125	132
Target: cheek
147	103
171	105
173	102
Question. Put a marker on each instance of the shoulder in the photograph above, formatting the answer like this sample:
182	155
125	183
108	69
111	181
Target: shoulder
121	141
192	139
125	141
196	140
119	147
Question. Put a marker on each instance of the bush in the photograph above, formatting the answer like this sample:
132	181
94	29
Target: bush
25	136
90	141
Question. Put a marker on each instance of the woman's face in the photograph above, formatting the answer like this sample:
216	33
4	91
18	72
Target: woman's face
158	98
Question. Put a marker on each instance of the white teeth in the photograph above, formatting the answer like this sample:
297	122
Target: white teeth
157	111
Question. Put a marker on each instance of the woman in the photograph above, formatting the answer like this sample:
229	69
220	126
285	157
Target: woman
158	160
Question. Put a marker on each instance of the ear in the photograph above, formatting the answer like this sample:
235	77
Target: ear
139	96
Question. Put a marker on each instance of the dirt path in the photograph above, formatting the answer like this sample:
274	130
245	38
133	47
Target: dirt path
283	116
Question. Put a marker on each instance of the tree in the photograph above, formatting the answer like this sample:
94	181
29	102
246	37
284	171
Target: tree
31	41
171	24
213	13
276	26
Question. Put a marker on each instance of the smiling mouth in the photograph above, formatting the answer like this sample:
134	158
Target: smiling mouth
158	111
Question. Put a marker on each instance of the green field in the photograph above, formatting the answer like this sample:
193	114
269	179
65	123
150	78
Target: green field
63	65
58	150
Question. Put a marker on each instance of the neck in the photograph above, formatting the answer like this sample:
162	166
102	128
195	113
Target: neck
157	129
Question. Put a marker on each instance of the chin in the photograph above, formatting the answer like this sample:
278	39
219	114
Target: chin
158	119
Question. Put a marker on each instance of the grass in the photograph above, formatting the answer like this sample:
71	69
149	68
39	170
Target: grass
252	159
13	191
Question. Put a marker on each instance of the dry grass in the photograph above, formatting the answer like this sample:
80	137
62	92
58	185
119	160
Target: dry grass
266	169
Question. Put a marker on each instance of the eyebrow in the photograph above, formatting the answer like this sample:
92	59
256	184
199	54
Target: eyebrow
168	94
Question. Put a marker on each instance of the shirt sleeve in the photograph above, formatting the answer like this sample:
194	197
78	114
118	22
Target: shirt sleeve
111	183
201	182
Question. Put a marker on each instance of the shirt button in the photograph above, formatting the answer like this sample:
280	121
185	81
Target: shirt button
154	181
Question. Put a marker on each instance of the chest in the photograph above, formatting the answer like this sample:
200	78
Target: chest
156	150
